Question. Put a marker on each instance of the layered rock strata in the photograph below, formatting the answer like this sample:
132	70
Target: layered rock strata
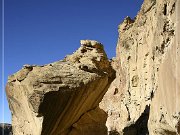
145	96
62	98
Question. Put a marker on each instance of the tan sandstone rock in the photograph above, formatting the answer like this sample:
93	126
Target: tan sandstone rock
146	92
60	97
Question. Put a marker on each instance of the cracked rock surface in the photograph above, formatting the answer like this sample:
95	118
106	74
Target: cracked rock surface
62	98
82	94
145	96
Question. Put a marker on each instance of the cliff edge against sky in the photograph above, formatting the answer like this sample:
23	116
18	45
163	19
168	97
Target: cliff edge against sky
136	93
145	96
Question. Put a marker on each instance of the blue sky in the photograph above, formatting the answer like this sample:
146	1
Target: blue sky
44	31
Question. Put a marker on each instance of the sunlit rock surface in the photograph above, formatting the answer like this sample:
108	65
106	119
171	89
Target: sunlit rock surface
145	96
62	98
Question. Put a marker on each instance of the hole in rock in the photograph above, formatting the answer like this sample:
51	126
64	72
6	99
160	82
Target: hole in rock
152	95
165	9
129	57
115	91
83	50
173	8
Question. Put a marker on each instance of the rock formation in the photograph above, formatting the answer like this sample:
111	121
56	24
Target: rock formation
145	96
62	97
5	129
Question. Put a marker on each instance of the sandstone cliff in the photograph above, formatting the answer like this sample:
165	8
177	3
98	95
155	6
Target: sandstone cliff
62	97
145	96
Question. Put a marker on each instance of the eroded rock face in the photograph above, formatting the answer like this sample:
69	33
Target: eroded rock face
62	98
145	96
166	102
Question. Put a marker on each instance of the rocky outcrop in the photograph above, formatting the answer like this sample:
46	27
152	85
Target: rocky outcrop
5	129
144	97
62	98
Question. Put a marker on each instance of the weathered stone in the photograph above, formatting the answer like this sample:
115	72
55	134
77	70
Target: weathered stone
56	99
62	98
166	102
147	72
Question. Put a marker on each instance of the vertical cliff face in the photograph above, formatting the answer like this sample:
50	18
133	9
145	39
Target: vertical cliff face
62	97
166	102
144	97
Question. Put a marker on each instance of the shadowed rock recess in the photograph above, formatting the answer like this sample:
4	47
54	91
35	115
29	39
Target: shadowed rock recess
82	94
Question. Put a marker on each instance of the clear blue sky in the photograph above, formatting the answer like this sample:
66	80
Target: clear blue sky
44	31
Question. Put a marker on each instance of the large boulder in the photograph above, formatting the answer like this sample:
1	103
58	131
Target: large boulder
62	98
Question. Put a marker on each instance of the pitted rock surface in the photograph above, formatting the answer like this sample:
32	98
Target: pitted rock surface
147	73
54	99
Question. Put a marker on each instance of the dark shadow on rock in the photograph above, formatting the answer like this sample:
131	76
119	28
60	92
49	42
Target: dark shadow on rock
114	132
141	125
5	129
52	107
